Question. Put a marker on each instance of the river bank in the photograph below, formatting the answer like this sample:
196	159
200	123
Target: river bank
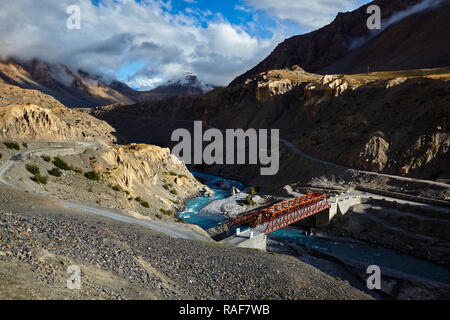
347	259
344	258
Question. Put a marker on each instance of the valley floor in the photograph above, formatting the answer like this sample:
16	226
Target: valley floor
408	240
121	257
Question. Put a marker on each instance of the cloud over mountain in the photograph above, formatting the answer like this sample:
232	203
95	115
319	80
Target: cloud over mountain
306	13
161	39
116	33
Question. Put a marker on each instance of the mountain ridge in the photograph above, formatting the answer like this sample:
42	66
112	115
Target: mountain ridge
331	49
83	90
72	89
376	122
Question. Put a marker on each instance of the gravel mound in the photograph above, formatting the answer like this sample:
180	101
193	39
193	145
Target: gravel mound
129	262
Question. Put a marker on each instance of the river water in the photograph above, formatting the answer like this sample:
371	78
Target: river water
365	253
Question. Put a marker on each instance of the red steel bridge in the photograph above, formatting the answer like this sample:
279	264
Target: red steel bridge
282	214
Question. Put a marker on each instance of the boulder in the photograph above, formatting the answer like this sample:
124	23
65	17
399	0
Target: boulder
224	185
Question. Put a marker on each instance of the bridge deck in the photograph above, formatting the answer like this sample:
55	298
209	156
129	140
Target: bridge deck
282	214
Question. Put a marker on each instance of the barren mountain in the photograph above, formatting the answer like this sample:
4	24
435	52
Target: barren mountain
73	90
389	122
393	122
125	173
118	260
41	235
347	46
32	115
82	90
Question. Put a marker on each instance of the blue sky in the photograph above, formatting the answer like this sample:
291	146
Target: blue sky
236	12
244	13
255	21
148	42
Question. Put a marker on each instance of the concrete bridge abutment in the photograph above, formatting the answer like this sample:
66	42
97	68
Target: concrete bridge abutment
338	206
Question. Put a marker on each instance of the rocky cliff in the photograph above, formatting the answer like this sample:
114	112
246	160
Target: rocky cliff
390	122
347	46
30	122
140	179
149	172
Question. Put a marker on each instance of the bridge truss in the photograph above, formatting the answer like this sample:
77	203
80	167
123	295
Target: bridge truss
276	217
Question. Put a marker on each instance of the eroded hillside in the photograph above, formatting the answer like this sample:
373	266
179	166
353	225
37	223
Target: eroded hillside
140	179
346	45
389	122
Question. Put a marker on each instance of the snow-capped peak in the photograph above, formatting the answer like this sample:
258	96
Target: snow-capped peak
189	80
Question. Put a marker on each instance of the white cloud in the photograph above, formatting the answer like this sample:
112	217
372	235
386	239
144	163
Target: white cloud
306	13
123	31
144	83
396	17
423	5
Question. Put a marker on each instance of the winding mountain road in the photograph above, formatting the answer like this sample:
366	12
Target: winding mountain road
170	229
297	151
368	195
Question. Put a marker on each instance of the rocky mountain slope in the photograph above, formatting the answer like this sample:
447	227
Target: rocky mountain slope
40	236
72	89
143	179
390	122
127	262
82	90
347	46
27	114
